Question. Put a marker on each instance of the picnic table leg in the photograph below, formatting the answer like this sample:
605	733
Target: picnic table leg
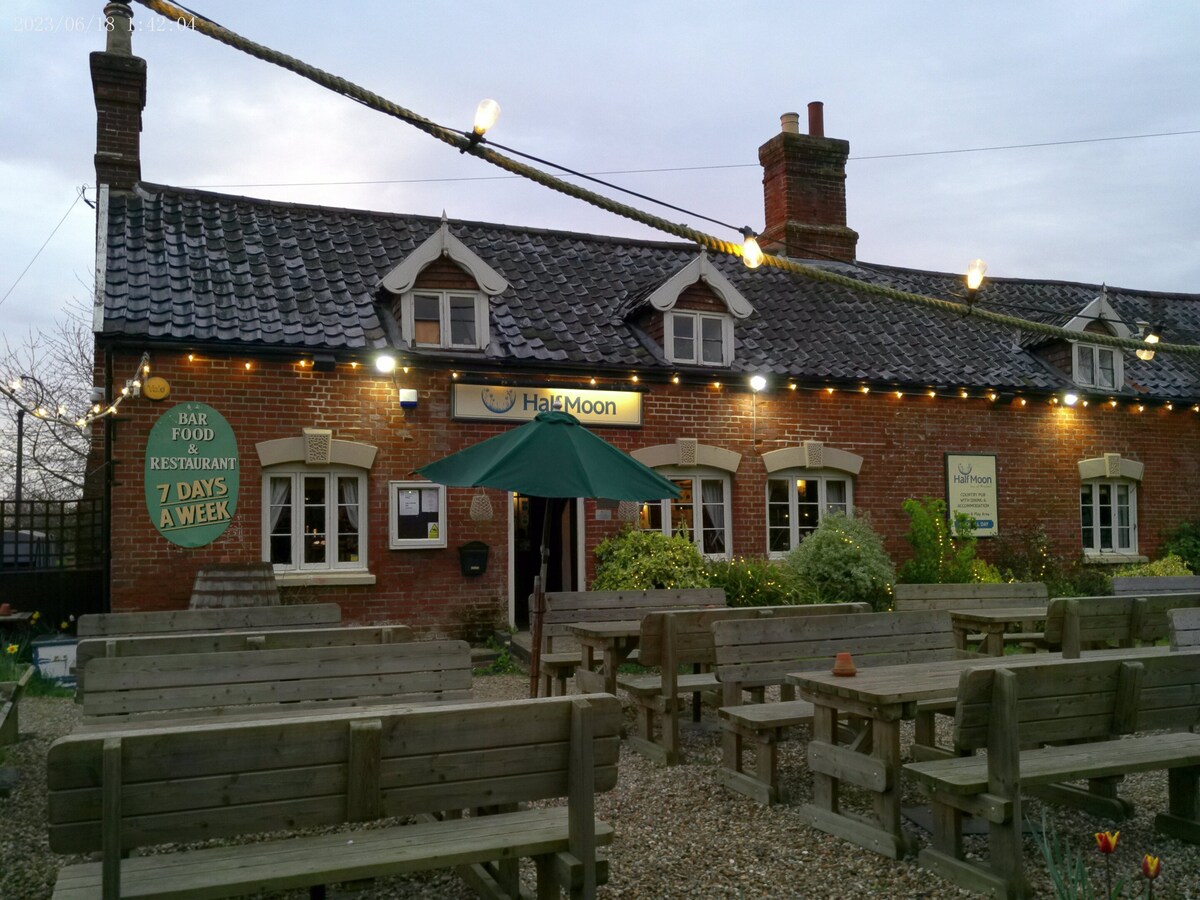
885	734
960	637
1182	819
993	640
825	787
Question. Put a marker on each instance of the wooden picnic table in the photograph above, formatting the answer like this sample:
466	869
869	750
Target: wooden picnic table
884	696
994	624
614	641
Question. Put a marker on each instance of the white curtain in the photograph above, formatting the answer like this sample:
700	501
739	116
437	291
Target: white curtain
348	498
281	499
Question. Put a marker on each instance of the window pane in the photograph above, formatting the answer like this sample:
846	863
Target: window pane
712	492
314	519
427	319
684	328
712	346
348	519
1124	519
835	496
682	521
1104	512
462	322
1086	517
1084	365
280	531
808	514
1108	368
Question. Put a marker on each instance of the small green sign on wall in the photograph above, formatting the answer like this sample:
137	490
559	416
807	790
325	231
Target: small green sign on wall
191	475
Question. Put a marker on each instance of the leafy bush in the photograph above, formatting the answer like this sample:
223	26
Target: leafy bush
843	561
1168	565
754	582
939	556
1024	554
1184	541
644	560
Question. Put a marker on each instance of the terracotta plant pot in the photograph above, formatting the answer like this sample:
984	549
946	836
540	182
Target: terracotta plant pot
844	665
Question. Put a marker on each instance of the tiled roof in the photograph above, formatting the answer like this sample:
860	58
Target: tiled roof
201	268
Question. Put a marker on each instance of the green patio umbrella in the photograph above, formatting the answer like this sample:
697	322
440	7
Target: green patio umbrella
554	457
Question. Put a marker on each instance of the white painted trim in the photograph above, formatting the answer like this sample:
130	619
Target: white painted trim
697	317
1099	310
101	258
1118	364
512	565
483	332
700	269
580	545
442	243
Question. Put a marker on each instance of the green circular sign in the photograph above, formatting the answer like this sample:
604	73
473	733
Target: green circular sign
191	475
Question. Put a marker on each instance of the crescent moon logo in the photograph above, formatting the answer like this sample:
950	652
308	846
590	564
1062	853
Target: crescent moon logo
498	401
965	470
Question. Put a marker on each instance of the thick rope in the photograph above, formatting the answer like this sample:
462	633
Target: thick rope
480	149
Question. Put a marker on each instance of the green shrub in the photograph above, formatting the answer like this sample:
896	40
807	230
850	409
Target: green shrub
644	560
939	556
754	582
1024	554
1168	565
1184	541
843	561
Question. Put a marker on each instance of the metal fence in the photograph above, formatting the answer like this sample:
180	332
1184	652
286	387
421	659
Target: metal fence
52	556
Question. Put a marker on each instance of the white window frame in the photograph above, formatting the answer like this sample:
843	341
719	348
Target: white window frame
791	476
1096	548
395	488
330	474
1094	351
698	319
696	528
408	318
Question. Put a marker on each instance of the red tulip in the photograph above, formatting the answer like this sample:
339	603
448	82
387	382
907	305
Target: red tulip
1107	840
1150	866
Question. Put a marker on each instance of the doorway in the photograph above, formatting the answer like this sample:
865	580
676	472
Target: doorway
562	572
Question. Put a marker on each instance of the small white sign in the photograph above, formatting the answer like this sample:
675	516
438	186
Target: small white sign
971	489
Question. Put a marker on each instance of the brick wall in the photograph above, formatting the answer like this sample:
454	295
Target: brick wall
902	442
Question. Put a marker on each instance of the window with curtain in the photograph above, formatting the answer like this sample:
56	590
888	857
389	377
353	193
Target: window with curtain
314	519
1098	367
700	338
702	511
797	502
1108	517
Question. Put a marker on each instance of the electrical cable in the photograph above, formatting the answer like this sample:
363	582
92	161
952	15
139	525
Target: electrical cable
78	195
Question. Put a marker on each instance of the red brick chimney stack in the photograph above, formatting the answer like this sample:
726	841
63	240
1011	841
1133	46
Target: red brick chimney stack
804	191
119	87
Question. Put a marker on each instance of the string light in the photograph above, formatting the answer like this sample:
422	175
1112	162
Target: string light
791	385
1141	407
829	390
57	413
932	392
865	389
963	393
248	365
634	378
993	396
191	357
899	394
592	380
674	379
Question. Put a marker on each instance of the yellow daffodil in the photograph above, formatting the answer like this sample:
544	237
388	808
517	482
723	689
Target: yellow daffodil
1107	840
12	649
35	617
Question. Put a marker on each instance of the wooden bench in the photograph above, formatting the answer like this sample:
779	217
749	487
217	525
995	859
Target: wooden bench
225	641
1141	585
308	615
560	654
1184	628
753	654
684	638
1015	595
234	584
1003	710
10	700
115	792
1078	624
136	689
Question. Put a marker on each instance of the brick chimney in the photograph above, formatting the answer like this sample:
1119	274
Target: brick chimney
119	86
804	191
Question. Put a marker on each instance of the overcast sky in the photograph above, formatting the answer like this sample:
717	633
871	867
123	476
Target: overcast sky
652	84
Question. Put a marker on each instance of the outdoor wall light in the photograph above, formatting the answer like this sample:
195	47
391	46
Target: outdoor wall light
757	383
752	254
1071	399
385	363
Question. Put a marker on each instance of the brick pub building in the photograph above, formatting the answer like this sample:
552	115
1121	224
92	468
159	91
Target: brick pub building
273	315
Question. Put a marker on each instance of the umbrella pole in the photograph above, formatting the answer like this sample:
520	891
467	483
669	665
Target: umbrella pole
539	602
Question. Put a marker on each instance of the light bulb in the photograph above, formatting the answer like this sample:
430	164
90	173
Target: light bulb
975	272
1071	399
752	254
757	383
486	114
385	363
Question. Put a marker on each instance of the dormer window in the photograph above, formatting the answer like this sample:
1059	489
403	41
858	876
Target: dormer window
1098	367
445	319
699	338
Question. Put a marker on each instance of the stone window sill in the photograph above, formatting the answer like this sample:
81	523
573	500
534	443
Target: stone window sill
1113	559
287	579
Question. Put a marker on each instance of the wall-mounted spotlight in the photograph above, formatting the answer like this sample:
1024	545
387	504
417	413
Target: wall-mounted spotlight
385	363
757	383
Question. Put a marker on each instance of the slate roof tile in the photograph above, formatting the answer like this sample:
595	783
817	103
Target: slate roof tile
194	266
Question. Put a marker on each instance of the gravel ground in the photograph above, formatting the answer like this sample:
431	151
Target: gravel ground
679	834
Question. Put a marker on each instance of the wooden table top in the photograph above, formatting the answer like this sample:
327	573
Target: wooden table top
998	614
16	618
607	630
885	685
